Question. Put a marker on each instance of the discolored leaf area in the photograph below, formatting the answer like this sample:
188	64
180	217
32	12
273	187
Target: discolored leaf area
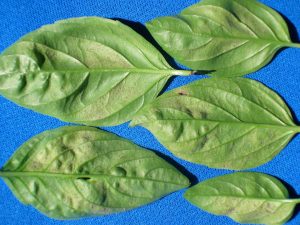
73	172
233	123
225	37
246	197
89	70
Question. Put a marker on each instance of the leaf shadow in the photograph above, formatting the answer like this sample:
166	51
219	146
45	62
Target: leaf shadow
144	32
294	116
192	178
292	195
292	28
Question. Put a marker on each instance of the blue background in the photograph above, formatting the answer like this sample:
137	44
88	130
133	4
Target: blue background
17	17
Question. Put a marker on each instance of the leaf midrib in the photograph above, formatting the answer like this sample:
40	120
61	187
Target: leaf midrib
205	35
294	129
7	174
165	72
159	71
295	201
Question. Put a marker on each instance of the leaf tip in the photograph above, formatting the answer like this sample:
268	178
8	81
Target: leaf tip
186	182
188	195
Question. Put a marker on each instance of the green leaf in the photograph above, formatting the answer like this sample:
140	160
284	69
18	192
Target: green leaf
91	70
233	123
246	197
74	172
226	37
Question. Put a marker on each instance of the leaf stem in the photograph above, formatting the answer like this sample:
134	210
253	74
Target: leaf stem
183	72
2	173
296	129
297	200
293	45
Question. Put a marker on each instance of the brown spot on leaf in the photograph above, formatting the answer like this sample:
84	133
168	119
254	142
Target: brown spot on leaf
200	144
203	115
36	165
84	178
182	92
229	211
87	137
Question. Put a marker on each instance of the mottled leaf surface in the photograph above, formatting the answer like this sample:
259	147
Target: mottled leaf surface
246	197
74	172
233	123
226	37
92	71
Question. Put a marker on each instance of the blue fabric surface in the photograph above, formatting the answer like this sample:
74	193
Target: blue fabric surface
17	17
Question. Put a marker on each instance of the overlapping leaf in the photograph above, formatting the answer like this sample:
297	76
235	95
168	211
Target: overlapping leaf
227	37
233	123
80	171
92	71
245	197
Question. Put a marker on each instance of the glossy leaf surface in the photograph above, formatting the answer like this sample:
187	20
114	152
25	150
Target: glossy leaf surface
245	197
225	37
233	123
92	71
74	172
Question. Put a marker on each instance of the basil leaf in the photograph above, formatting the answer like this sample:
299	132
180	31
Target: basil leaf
232	123
92	71
73	172
246	197
226	37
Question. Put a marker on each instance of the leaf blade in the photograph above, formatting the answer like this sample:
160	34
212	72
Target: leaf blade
227	38
231	123
93	71
73	172
246	197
